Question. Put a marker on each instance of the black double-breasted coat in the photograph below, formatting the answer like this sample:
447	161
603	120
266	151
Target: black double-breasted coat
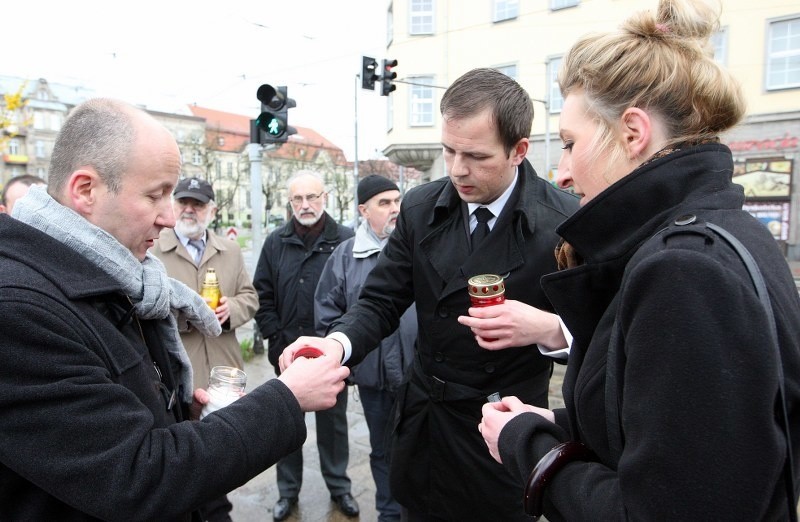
439	462
684	424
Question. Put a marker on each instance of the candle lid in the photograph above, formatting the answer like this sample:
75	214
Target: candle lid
486	285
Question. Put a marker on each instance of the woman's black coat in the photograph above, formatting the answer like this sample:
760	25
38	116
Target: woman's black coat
697	376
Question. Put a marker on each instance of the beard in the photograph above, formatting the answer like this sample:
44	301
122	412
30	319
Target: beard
306	218
190	227
390	225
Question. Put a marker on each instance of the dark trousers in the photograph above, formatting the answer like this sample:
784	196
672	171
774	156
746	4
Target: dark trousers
334	454
377	406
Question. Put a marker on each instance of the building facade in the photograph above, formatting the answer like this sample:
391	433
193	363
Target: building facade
213	146
436	41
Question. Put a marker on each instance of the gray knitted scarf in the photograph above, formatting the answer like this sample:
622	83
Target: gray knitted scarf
153	294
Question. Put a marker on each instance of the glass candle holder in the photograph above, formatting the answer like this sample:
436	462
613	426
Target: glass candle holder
210	288
225	385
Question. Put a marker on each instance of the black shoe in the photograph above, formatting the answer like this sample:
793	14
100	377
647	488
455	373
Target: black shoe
283	507
347	504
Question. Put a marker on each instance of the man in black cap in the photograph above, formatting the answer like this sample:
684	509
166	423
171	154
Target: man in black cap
381	372
188	251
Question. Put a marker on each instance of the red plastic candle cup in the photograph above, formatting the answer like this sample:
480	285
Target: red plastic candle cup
486	290
308	351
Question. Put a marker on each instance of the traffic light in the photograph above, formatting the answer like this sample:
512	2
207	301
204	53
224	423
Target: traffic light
368	73
273	122
387	85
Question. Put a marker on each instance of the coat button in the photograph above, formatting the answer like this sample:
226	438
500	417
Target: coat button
438	357
489	368
301	281
687	219
443	312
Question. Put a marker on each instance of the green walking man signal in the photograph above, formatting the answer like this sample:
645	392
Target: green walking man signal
273	122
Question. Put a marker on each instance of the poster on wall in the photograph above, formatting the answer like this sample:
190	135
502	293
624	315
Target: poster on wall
764	178
774	215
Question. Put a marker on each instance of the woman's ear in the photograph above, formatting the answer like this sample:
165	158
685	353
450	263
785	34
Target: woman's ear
637	133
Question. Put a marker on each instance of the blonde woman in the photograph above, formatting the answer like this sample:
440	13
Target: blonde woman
674	394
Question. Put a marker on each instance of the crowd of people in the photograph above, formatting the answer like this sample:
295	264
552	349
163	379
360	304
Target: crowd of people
673	309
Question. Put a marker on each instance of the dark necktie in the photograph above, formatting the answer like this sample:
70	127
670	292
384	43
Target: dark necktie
483	215
198	246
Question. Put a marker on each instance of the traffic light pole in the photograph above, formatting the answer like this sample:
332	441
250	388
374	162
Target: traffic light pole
256	200
355	164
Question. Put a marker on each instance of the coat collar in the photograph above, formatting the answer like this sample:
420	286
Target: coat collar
525	204
168	242
63	267
329	233
637	206
447	246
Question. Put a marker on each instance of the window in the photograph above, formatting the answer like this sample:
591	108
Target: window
230	170
38	120
421	101
508	70
553	90
505	10
39	145
783	54
720	42
13	147
41	172
421	21
197	158
218	169
55	122
561	4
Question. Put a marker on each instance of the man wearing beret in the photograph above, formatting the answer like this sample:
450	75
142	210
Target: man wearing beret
381	373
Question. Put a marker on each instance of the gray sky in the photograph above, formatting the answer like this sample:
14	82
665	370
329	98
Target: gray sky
169	53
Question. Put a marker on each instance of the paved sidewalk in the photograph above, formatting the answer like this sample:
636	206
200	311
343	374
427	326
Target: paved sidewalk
253	501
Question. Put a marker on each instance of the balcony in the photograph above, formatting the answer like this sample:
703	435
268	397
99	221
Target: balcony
15	159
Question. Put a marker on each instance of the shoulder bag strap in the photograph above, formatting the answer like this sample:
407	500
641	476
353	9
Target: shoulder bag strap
761	290
613	419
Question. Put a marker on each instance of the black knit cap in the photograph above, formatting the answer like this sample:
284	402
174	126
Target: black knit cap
373	184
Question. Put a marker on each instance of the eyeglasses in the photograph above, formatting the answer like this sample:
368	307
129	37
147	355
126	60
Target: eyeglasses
311	198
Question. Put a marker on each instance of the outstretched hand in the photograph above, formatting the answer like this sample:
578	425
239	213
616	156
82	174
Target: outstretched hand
315	382
329	347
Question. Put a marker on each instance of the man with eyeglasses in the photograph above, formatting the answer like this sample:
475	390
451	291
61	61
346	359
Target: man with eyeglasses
188	251
286	277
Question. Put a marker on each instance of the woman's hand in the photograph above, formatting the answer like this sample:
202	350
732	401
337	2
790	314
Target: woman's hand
497	414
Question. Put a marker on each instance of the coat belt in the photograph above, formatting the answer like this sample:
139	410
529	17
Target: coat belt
443	391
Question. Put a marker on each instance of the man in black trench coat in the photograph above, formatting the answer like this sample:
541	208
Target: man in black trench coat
440	468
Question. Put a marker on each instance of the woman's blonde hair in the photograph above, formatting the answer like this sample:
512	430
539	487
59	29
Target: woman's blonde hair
660	62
